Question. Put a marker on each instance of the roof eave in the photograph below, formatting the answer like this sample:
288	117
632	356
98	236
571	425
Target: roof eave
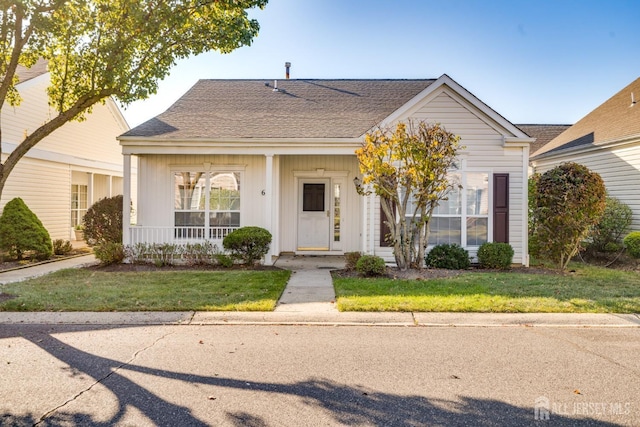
251	146
560	152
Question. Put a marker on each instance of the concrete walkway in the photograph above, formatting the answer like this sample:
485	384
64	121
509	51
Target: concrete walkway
310	288
41	269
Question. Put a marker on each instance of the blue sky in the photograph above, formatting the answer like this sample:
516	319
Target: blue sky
544	61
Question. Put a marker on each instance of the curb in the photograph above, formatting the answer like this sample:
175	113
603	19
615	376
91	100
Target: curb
427	320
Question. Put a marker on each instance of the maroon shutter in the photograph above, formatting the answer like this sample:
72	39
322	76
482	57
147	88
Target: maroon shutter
384	229
501	207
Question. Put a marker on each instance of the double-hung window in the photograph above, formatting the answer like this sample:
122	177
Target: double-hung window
79	203
206	204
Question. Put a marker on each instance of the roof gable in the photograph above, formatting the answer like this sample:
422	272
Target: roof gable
466	100
615	119
301	108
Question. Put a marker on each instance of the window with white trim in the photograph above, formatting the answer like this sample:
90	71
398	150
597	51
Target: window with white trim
463	218
206	201
79	203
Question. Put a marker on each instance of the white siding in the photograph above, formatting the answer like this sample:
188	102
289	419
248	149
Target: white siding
618	167
93	138
49	199
483	151
43	177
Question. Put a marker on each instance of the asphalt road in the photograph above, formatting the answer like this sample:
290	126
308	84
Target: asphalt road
263	375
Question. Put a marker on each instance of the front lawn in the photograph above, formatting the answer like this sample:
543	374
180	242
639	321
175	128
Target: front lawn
587	290
184	290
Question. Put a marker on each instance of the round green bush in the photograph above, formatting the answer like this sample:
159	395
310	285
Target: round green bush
370	266
103	221
21	231
248	244
495	255
632	243
448	256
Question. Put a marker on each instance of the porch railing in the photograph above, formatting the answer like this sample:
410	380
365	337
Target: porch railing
151	234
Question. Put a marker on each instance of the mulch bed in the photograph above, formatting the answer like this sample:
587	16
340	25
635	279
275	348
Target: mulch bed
438	273
152	267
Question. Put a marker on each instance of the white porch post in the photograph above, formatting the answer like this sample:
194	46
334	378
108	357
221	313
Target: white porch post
126	200
109	185
90	191
269	207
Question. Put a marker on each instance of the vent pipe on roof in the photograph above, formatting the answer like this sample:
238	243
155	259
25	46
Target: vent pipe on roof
287	65
275	85
633	100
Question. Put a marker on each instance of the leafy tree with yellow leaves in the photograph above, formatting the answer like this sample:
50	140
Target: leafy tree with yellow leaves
97	49
408	168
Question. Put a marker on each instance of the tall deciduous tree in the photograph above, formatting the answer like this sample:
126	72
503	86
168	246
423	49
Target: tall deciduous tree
408	168
97	49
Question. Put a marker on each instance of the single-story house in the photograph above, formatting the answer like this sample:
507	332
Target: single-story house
71	168
280	155
607	141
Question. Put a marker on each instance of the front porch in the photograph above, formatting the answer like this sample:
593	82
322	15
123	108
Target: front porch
307	202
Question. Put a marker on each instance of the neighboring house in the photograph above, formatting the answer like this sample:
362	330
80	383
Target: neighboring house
607	141
280	155
70	169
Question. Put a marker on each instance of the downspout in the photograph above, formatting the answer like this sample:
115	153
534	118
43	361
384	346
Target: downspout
525	207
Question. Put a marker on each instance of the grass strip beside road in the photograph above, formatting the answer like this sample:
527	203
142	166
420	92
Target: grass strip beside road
587	290
186	290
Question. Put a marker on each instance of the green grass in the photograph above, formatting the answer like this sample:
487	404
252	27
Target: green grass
90	290
588	290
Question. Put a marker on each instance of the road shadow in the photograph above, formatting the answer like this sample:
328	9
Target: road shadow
340	404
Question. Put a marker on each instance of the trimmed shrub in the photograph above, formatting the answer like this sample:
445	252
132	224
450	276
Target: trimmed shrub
103	221
223	260
449	256
632	243
21	231
62	247
248	244
138	253
613	225
371	266
495	255
351	259
109	253
162	254
570	200
199	253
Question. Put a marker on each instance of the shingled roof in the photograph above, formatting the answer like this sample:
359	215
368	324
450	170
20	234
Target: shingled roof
615	119
542	133
219	109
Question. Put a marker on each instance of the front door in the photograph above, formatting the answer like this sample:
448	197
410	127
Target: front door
314	219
